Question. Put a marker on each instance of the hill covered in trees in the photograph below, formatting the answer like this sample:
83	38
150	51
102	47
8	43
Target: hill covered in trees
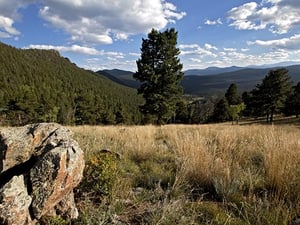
40	85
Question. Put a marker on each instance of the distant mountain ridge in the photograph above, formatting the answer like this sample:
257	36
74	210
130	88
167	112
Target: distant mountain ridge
211	71
246	79
213	80
123	77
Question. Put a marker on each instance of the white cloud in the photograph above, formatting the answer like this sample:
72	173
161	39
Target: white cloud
73	48
94	21
243	12
196	60
213	22
188	46
210	47
103	21
96	64
229	49
291	43
279	16
195	49
245	49
242	16
171	12
4	35
79	50
229	56
134	54
94	59
6	24
9	15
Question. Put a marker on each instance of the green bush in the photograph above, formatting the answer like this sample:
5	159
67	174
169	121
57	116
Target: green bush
57	220
99	175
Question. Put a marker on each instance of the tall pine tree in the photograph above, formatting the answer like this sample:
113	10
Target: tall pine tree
159	70
270	96
292	105
232	95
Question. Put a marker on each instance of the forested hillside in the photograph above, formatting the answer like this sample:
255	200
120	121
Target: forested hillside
40	85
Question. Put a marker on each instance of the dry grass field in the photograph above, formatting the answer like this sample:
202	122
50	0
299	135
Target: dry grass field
190	174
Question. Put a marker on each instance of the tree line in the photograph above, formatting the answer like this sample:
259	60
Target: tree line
159	71
274	95
42	86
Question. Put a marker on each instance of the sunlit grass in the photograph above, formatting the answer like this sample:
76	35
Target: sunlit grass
240	170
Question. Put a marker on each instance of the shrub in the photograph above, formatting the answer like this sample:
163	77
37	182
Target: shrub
99	175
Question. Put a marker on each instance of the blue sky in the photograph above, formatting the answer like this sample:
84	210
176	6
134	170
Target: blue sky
107	34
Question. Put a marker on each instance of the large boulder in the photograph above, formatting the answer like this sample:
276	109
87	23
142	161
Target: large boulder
40	165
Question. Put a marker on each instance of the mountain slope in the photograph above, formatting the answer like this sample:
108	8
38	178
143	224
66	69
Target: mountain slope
245	79
112	77
120	76
210	84
211	71
40	85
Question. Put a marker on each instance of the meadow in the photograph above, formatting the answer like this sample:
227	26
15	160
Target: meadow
189	174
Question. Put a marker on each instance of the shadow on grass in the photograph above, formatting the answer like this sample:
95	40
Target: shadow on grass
292	120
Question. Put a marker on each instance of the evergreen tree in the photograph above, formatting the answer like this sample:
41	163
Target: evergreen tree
159	71
270	96
292	106
232	95
221	111
182	114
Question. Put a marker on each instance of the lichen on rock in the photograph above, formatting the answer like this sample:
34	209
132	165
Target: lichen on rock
40	165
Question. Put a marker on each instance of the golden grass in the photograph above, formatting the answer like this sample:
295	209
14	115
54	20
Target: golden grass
228	163
205	151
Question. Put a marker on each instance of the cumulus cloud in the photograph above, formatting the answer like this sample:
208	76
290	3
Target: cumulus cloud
6	27
279	16
9	15
95	21
103	21
243	17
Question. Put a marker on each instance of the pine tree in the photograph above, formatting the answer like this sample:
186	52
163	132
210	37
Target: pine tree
292	106
270	96
232	95
221	111
159	71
